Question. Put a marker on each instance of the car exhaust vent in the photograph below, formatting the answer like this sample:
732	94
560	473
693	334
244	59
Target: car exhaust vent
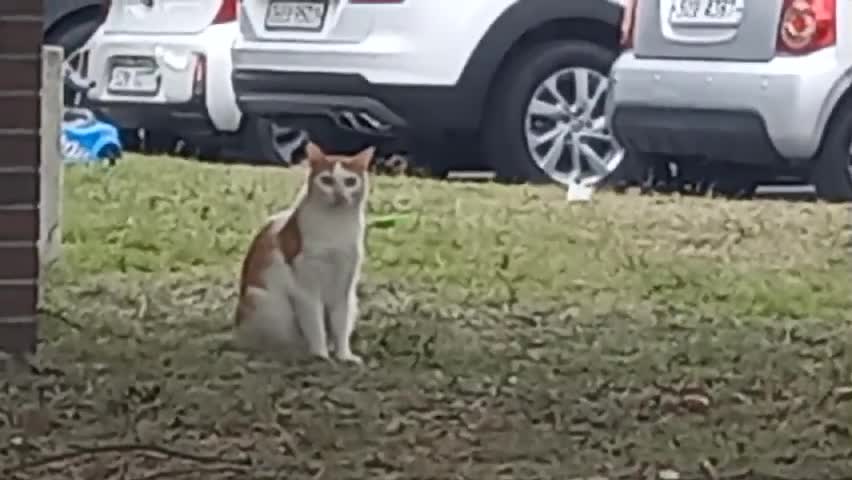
347	120
361	122
374	122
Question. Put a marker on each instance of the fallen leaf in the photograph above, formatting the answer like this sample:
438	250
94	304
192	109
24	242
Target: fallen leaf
708	470
394	426
696	403
668	474
843	394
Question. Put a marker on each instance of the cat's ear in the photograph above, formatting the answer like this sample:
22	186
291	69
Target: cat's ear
361	160
314	154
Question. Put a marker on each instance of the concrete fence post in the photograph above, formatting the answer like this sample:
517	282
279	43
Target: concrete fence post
50	228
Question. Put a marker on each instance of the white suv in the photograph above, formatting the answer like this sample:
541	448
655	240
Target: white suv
760	88
165	66
520	81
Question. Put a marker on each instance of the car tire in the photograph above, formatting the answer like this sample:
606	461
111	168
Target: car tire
503	142
253	144
160	142
832	171
72	33
262	144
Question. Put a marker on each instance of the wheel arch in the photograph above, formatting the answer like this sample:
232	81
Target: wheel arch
527	23
58	13
838	99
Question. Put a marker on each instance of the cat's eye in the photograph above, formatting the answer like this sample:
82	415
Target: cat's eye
350	182
326	180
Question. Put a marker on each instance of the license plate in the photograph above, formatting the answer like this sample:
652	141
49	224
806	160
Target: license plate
134	80
706	12
296	15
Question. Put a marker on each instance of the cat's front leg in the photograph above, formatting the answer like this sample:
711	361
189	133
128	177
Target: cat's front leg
342	317
309	315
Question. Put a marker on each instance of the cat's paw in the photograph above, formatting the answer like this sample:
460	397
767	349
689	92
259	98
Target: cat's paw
350	358
324	356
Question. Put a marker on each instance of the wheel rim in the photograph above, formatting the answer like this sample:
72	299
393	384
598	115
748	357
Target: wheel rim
72	62
286	142
849	162
565	127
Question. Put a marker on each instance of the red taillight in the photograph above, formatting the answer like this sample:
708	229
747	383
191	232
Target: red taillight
198	74
628	21
807	26
227	12
104	8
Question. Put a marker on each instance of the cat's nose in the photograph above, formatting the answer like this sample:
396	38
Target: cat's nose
339	198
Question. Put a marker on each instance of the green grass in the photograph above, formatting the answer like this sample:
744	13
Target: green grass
508	334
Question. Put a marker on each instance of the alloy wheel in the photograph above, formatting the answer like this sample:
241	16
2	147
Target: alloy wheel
566	130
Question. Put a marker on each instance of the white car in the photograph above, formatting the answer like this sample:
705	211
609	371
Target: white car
518	83
730	94
164	66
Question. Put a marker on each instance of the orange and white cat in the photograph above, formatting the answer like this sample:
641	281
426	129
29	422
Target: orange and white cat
297	287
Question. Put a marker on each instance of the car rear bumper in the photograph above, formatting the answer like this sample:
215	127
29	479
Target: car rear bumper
177	57
765	112
345	110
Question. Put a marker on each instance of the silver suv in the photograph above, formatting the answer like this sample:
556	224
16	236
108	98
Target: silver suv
761	87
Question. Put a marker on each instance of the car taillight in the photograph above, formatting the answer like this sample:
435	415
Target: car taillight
227	12
198	74
104	8
807	26
627	39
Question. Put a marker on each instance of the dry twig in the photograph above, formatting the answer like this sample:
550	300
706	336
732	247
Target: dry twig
120	448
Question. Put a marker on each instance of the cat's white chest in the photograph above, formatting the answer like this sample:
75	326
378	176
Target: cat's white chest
330	256
330	270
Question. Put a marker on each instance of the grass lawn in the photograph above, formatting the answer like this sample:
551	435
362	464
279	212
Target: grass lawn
507	334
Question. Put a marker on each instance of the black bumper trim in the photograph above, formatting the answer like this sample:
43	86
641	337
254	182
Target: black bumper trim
317	104
719	135
406	108
188	119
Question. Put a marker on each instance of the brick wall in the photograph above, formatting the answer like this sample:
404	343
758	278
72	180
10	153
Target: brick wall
20	78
